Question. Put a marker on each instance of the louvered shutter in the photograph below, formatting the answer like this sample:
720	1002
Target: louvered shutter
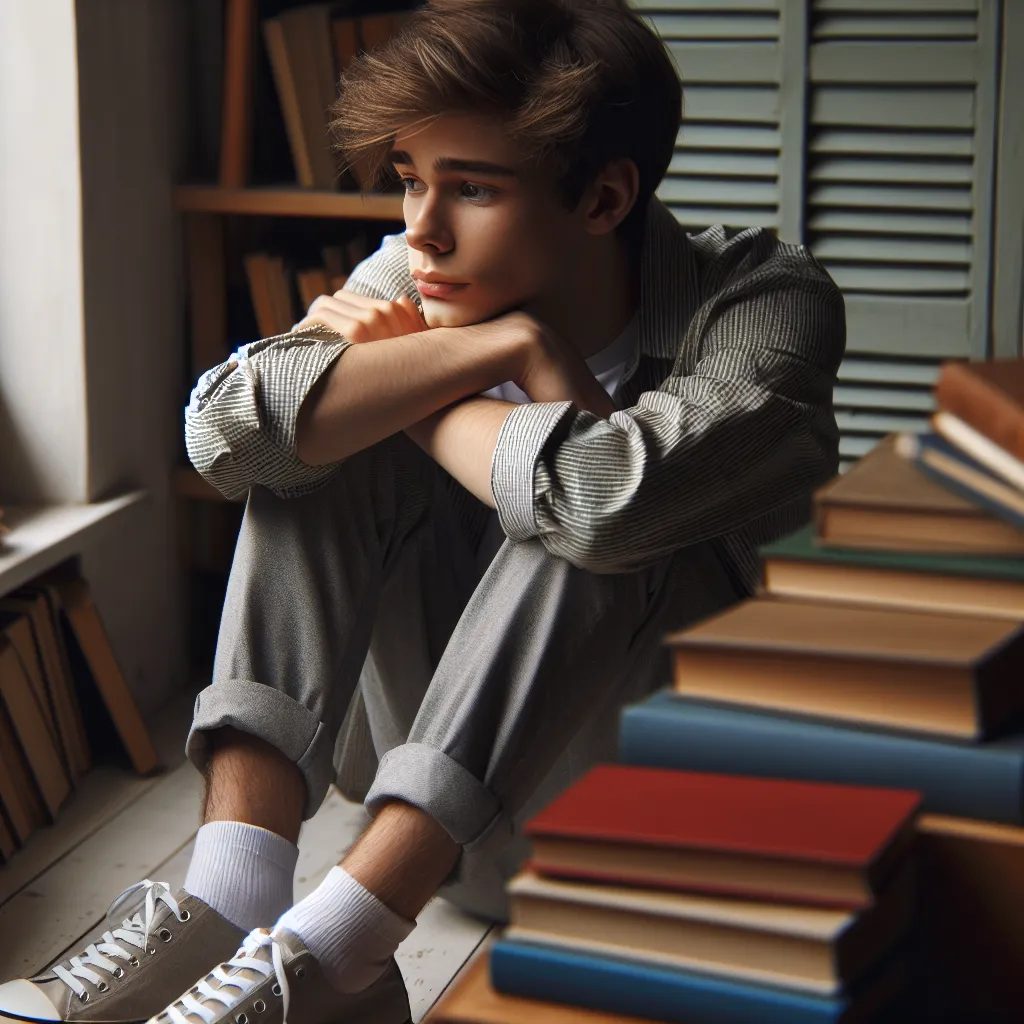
900	148
726	167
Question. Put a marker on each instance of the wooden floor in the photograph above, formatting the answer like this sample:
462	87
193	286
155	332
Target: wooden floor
118	829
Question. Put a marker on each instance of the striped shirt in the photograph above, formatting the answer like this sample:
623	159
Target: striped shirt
724	424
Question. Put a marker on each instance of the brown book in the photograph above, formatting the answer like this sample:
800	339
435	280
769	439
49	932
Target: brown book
345	39
814	949
884	502
7	841
335	260
299	44
31	730
280	291
88	630
18	630
41	605
936	673
240	22
338	282
375	29
971	953
19	794
312	284
357	248
256	272
987	396
471	999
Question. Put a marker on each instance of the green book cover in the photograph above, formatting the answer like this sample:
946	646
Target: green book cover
801	547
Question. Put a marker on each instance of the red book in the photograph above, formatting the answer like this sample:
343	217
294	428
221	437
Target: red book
771	839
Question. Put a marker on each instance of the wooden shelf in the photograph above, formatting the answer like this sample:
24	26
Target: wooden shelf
287	201
43	536
186	482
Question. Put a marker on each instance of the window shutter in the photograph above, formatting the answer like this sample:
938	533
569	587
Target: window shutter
900	150
726	167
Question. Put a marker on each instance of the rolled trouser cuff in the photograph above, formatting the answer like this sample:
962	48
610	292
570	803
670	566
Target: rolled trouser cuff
438	785
270	714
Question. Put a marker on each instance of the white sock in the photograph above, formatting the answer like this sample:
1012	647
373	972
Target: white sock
243	871
349	931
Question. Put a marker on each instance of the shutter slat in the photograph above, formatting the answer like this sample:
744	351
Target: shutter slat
879	423
727	63
883	324
906	27
888	371
903	399
896	280
891	6
701	6
903	63
729	165
957	225
701	217
893	250
718	191
918	172
941	199
728	137
756	26
732	105
884	106
946	144
853	447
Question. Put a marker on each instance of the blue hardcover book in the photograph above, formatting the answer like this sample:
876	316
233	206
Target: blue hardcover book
967	780
955	470
637	989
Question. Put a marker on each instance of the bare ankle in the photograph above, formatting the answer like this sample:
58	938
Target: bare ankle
250	780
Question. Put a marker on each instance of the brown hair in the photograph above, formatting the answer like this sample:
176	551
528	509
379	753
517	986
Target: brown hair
578	83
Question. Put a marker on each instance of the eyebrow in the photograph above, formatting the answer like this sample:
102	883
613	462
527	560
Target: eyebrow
451	163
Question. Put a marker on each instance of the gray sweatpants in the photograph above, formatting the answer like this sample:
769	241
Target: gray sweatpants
383	633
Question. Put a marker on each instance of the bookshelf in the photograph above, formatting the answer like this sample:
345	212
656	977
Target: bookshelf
286	201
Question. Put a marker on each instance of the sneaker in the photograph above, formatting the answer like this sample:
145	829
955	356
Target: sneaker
274	979
136	969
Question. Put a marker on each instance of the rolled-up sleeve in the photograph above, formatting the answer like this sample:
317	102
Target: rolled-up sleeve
241	419
747	428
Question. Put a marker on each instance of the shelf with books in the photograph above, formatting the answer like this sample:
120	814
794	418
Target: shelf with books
287	201
43	536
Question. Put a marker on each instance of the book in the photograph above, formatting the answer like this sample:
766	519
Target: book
313	283
240	33
763	839
471	999
270	291
41	605
299	45
796	566
988	396
946	465
969	780
7	841
615	985
980	448
18	631
31	732
87	629
970	958
933	672
18	793
814	949
884	502
280	294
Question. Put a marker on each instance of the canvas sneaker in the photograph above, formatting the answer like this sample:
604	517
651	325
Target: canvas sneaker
274	979
164	943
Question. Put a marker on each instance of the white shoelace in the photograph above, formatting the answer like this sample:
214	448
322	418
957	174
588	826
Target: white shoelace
134	932
244	960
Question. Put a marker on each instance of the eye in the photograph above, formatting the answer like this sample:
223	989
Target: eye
408	184
477	193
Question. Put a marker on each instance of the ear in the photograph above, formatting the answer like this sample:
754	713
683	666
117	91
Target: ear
610	196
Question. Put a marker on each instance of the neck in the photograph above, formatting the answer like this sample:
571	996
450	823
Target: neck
593	307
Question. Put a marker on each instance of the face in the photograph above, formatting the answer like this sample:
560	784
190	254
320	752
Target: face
488	229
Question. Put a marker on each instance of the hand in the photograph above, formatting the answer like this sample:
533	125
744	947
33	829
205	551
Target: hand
551	370
361	319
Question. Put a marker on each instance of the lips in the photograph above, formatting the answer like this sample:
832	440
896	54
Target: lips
437	289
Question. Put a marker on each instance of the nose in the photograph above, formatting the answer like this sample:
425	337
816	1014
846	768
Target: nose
426	227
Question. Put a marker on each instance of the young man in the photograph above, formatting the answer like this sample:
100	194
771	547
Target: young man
535	432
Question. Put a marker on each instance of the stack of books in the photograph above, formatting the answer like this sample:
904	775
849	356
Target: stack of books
886	648
4	528
54	650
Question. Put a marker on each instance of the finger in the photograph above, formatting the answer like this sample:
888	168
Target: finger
335	320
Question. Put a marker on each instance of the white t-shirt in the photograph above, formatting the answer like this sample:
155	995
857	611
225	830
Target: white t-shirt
608	366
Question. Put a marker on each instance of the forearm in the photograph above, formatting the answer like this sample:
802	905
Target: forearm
379	388
462	440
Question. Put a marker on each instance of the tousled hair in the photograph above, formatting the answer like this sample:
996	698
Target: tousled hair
576	83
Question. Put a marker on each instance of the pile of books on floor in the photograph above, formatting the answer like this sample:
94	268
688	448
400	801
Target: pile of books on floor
53	650
274	286
884	651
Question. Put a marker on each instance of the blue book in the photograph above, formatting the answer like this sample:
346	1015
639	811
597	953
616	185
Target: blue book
967	780
637	989
955	470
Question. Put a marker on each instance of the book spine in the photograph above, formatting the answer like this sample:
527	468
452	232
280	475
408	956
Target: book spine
965	780
988	409
638	990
